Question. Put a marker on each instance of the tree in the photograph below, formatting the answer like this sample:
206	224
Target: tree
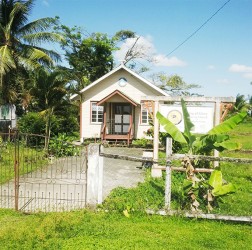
20	44
49	91
89	56
174	85
133	50
122	35
241	103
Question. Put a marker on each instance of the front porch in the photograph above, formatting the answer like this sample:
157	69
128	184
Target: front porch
108	132
118	118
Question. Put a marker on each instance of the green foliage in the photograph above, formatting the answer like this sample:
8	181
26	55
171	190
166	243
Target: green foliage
32	123
20	45
200	192
30	159
61	146
241	104
196	189
171	129
142	143
174	85
89	55
216	182
122	35
149	194
176	146
190	138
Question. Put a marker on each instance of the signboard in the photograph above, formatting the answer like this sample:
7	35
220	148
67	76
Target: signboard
201	117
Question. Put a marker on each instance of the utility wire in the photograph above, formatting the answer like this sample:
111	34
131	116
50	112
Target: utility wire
189	37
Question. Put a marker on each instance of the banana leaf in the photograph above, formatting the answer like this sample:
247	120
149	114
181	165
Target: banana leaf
225	189
215	181
171	129
188	125
228	124
227	145
219	142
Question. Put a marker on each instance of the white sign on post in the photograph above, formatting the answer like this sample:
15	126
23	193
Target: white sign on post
201	117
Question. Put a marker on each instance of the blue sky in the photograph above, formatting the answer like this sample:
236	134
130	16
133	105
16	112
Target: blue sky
218	57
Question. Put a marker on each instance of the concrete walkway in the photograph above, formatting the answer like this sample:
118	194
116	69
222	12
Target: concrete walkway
121	173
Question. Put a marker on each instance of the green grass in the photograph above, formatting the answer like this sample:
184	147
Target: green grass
243	134
239	203
29	160
87	230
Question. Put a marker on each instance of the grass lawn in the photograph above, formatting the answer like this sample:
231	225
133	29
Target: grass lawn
29	160
88	230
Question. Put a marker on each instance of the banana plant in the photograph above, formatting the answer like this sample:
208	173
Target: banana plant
194	185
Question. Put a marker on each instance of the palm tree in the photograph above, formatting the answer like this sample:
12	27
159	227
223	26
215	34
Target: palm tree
50	94
241	103
20	42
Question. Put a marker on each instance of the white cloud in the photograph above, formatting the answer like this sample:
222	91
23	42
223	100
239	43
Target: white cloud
248	75
210	67
223	81
162	60
240	68
145	49
45	2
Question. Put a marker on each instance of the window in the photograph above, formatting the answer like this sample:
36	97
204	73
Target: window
145	114
96	113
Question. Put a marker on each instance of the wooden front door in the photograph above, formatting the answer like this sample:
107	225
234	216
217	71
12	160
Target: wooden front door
122	113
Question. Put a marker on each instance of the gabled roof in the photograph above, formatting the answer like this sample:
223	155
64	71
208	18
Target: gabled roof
122	66
117	92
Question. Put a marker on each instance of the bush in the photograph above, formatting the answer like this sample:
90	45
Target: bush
142	143
61	146
32	123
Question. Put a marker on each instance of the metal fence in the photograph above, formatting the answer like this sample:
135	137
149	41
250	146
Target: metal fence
34	179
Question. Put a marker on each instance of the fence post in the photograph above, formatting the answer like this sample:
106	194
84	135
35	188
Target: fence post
217	116
94	175
168	174
16	168
155	170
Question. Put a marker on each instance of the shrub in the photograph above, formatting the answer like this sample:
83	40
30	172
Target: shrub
32	123
142	143
61	146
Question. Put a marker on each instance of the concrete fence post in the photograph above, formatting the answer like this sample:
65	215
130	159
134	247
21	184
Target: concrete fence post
168	174
94	175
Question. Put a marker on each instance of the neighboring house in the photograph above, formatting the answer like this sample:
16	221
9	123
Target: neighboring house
7	118
111	107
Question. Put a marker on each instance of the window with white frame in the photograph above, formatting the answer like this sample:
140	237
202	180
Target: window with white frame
145	115
96	113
